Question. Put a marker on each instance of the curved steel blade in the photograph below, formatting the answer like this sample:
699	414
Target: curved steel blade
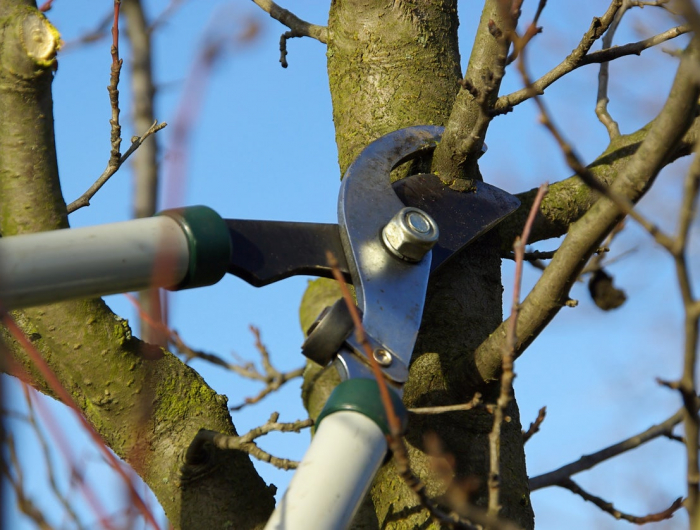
390	292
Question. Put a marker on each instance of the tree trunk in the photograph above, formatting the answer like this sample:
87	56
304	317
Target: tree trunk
393	65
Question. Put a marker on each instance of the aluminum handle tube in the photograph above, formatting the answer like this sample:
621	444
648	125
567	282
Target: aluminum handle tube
52	266
334	475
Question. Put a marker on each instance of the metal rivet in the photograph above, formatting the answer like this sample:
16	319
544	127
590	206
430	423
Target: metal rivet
410	234
382	356
418	222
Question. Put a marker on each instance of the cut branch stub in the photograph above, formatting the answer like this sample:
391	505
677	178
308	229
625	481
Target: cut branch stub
40	39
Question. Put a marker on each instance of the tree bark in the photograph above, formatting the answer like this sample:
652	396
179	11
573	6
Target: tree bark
393	65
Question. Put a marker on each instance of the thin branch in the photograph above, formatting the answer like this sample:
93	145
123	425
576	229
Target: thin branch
395	427
535	425
607	507
586	462
273	378
475	402
625	205
246	442
297	27
136	141
601	108
596	30
532	30
633	48
113	89
507	375
580	57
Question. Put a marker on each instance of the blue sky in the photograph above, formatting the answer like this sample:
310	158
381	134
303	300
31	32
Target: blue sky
263	148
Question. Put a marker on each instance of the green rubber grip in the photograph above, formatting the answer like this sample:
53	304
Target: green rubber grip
209	245
362	395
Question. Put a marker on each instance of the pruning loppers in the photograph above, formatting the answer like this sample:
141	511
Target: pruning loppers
388	241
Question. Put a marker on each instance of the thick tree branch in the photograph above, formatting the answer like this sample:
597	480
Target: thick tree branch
456	155
568	200
551	291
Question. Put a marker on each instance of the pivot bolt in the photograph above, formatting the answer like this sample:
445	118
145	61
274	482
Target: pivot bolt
410	234
382	357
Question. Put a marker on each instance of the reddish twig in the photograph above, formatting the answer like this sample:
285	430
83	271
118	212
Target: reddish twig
113	89
507	376
395	440
393	419
55	385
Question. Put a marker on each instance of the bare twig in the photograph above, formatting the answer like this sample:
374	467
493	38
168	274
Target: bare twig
601	108
586	175
116	159
607	507
532	30
475	402
136	141
535	425
507	376
297	27
113	89
633	48
246	442
273	378
588	461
